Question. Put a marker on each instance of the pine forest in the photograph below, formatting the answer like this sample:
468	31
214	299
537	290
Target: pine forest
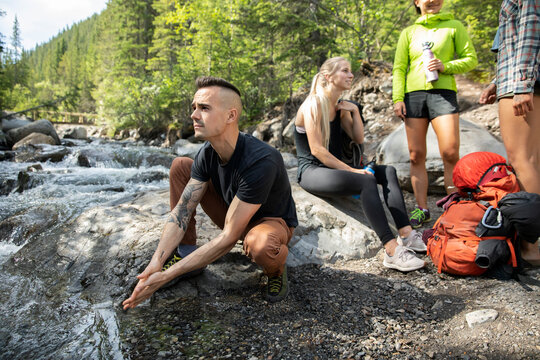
135	63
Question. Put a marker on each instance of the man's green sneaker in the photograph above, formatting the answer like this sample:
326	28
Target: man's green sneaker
277	287
171	261
419	217
181	252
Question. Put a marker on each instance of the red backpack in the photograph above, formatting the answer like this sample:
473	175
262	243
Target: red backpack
482	179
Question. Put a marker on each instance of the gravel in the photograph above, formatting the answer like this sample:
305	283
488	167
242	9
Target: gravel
348	310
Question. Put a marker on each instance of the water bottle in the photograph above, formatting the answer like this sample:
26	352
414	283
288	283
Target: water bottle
426	56
370	167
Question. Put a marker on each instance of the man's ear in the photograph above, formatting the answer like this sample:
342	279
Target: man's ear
232	115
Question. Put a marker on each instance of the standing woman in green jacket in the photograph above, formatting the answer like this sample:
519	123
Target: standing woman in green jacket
419	100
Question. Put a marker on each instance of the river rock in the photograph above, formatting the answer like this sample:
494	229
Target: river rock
288	133
41	153
3	141
78	132
184	147
147	177
7	186
34	139
13	121
173	135
82	160
42	126
7	155
270	131
159	159
393	151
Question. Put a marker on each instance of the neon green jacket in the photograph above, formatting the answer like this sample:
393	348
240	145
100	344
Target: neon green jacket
449	38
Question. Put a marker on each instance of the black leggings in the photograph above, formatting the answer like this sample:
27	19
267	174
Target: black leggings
323	181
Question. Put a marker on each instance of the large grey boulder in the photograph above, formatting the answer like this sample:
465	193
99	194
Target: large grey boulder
34	139
329	229
13	121
42	126
393	151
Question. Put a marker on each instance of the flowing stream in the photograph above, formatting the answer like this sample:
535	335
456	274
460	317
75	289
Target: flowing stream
62	190
57	193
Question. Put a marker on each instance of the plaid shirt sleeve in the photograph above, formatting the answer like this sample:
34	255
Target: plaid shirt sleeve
518	56
528	46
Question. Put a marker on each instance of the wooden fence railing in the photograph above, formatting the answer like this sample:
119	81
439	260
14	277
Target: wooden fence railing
63	117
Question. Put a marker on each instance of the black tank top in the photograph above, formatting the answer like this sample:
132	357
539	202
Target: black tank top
303	151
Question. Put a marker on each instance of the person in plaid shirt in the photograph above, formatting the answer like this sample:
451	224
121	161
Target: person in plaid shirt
518	91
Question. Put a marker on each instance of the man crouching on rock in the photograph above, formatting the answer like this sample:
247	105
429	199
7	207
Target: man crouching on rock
240	182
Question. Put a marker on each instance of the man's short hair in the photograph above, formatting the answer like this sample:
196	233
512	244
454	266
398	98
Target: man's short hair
207	81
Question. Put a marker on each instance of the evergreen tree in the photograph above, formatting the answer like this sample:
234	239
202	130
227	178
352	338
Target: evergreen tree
16	41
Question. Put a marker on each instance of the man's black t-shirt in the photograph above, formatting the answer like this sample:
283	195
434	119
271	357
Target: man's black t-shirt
255	174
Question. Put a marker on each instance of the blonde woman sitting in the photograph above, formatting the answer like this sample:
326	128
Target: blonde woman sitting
322	171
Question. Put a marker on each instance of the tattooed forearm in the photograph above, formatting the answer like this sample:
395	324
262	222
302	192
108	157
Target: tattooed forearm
189	200
161	256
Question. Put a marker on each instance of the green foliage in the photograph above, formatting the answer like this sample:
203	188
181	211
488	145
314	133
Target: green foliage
135	63
482	21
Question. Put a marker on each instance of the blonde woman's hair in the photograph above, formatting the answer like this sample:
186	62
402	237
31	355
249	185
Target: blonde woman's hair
317	97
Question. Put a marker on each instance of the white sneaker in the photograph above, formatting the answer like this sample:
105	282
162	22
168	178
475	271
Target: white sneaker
403	260
413	241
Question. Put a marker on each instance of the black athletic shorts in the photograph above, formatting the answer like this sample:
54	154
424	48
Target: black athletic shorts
431	103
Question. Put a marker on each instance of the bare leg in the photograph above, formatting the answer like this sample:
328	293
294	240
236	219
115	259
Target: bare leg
416	129
447	129
520	136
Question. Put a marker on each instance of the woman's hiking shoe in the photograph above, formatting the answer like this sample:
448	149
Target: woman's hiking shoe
277	287
181	252
403	260
419	217
413	241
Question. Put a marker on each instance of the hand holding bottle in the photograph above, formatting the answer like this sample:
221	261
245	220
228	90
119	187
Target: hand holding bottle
435	65
431	64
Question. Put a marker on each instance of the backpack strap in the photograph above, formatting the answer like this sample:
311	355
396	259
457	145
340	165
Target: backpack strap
444	242
441	254
512	251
